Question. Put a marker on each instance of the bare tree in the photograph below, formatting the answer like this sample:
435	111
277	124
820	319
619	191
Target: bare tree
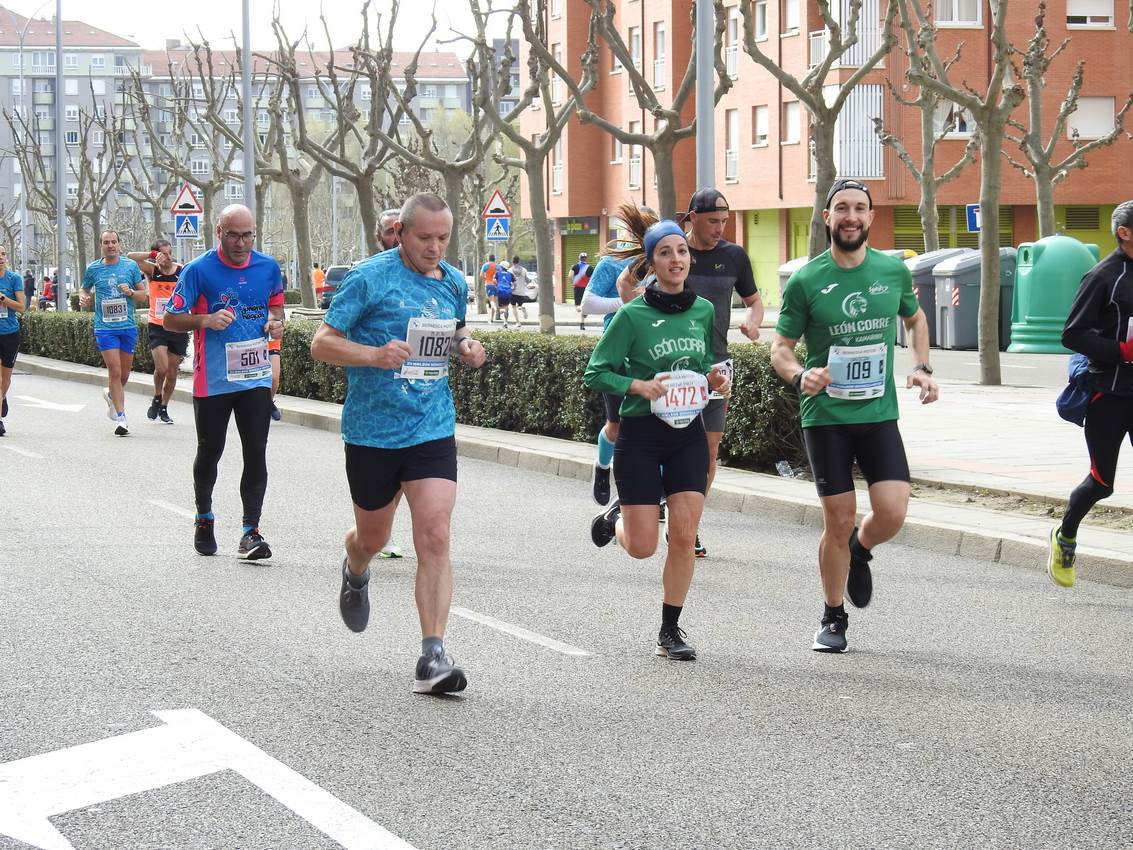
842	37
933	131
991	108
147	185
1044	167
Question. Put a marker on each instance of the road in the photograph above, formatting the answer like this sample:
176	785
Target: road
978	707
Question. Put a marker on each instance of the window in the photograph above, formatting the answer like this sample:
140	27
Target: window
17	61
195	140
42	59
71	113
98	86
198	91
16	86
1089	13
759	118
97	62
634	44
263	118
791	16
364	93
731	145
198	166
792	123
556	80
634	158
556	8
165	140
70	60
618	153
452	92
71	137
1093	118
98	136
429	91
71	87
659	69
952	121
557	168
958	12
72	191
231	116
233	191
759	18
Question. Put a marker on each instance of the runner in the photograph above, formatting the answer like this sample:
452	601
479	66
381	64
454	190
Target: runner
12	302
844	302
579	277
387	232
488	274
116	281
232	299
719	268
656	351
505	286
602	298
168	349
394	324
1100	325
519	298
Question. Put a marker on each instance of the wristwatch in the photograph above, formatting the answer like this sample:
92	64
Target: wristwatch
923	367
798	380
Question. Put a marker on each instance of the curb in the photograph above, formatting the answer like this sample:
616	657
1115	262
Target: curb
947	538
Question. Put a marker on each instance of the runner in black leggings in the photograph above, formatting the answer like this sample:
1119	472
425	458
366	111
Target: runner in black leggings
1100	326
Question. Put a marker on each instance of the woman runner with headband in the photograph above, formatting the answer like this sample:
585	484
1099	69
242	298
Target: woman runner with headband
657	352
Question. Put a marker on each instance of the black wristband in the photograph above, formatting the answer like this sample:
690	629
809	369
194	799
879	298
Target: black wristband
798	380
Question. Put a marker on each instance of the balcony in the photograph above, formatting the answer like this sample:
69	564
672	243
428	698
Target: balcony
660	67
816	51
731	60
869	39
127	70
43	98
731	166
635	172
46	124
557	178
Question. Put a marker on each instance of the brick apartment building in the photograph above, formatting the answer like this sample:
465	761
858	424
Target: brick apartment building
763	163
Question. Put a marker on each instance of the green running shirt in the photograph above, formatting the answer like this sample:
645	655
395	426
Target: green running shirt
831	306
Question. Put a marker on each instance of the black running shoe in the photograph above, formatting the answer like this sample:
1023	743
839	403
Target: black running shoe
275	414
354	602
671	644
204	541
436	674
253	547
602	484
698	548
2	430
154	407
859	582
602	528
831	636
163	415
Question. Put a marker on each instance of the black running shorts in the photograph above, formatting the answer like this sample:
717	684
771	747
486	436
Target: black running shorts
613	406
652	460
375	475
714	415
832	449
9	347
177	343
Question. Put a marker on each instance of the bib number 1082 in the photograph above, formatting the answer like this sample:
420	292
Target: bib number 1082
433	345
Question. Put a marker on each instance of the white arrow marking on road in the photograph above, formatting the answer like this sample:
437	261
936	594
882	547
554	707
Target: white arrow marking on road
169	506
51	405
189	745
519	632
23	452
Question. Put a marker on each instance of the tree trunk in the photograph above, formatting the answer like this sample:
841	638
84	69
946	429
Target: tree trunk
208	222
482	251
544	249
930	218
80	242
1044	196
990	175
666	182
157	219
454	191
364	189
825	175
261	191
300	205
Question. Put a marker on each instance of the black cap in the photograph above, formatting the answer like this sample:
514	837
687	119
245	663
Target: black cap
845	183
705	201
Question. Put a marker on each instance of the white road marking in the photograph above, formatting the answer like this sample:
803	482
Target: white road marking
23	452
50	405
169	506
188	745
519	632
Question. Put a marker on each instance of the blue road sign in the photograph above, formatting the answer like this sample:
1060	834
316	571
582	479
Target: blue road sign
973	218
497	229
187	226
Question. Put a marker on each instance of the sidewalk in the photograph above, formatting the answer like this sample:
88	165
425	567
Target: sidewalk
1003	438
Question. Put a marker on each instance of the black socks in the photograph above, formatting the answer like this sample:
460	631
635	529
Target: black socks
670	614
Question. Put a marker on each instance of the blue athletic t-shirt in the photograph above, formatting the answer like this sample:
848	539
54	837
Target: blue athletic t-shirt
236	358
376	303
10	284
113	309
604	282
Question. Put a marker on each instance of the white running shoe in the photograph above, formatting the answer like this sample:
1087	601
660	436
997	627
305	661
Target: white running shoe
392	550
111	413
121	430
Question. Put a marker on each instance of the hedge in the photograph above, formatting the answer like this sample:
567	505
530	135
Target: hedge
531	383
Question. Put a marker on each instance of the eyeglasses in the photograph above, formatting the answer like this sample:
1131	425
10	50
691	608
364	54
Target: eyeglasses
237	236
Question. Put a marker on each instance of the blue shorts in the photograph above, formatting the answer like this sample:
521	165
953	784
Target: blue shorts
125	340
491	290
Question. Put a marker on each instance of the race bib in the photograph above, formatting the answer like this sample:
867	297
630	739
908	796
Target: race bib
430	341
158	310
114	310
247	360
686	394
857	372
3	311
726	370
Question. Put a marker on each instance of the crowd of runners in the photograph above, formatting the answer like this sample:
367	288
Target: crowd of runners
665	289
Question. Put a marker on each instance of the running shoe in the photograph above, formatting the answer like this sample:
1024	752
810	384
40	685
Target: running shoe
354	602
120	428
671	644
163	415
602	528
204	541
391	550
275	414
436	674
859	582
831	636
1060	563
2	431
4	407
253	547
154	407
111	413
698	548
601	484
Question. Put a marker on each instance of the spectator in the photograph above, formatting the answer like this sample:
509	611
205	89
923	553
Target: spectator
580	276
29	290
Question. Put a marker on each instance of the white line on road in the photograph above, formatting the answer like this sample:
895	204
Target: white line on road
169	506
50	405
23	452
519	632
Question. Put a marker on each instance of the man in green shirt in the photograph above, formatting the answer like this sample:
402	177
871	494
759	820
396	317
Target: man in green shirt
845	303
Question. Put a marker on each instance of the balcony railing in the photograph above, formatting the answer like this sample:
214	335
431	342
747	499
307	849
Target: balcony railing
731	59
817	44
660	67
127	70
731	165
635	172
869	39
557	179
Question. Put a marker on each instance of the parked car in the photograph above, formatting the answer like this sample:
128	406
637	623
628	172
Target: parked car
335	274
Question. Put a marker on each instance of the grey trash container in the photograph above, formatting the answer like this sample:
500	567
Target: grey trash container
786	270
920	267
958	300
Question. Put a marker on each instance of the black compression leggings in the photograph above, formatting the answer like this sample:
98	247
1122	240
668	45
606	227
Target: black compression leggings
253	416
1108	419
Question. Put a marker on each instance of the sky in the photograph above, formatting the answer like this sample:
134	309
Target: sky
217	19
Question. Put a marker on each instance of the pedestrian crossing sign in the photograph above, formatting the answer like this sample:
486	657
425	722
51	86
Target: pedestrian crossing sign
497	229
187	226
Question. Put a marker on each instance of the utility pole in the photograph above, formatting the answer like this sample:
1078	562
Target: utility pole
705	95
249	129
60	151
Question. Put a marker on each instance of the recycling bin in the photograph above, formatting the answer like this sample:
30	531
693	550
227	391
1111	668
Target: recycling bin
786	270
958	299
924	286
1049	273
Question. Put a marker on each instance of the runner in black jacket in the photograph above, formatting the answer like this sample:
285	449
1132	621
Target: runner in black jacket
1100	325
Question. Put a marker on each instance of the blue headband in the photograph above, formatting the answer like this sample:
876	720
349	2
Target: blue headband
659	231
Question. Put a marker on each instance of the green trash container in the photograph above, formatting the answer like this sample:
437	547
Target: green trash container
1049	273
958	299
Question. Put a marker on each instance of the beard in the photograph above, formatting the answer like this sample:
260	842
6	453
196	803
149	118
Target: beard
849	244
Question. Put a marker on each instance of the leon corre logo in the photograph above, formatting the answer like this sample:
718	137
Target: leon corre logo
854	305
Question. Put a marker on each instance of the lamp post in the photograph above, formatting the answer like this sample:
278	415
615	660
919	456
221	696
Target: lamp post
60	201
249	130
705	95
